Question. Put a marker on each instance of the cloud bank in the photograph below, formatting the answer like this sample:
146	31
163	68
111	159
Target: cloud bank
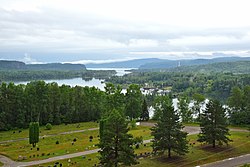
123	30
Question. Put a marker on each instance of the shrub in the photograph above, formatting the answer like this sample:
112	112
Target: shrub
133	124
91	138
48	126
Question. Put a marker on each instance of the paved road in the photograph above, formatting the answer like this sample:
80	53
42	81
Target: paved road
230	162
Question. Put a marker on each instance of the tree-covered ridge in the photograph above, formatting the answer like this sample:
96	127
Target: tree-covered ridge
14	65
239	67
29	75
166	64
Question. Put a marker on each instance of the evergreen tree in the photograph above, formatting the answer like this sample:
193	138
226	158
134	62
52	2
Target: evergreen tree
116	143
145	113
34	133
167	132
213	124
185	112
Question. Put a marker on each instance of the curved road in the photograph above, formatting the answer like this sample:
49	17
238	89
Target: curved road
190	129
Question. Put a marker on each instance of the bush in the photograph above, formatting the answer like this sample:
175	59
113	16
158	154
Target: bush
48	126
133	124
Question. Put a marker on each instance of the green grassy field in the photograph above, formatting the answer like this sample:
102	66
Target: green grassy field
199	154
48	147
1	164
14	134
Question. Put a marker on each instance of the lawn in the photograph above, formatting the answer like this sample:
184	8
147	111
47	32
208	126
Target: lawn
15	134
199	154
48	147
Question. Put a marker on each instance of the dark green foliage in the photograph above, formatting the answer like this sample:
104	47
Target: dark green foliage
212	85
167	132
199	100
239	103
133	108
48	126
144	113
185	112
48	102
34	133
116	143
213	124
114	97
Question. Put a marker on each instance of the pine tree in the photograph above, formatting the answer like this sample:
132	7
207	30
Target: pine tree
34	133
116	143
167	132
145	113
213	124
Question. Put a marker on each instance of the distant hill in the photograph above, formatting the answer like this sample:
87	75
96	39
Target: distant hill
165	64
239	67
17	65
55	66
125	64
4	64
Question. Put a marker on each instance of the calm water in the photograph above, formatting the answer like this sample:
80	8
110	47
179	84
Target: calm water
80	82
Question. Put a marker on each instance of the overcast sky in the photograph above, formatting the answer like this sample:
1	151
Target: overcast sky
108	30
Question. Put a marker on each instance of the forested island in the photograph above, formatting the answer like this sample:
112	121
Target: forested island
19	71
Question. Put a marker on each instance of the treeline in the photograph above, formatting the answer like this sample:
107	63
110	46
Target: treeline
47	103
50	103
17	65
212	85
27	75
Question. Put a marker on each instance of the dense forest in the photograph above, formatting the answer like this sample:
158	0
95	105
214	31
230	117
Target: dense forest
213	85
50	103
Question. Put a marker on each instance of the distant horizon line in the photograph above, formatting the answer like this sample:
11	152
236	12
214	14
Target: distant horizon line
101	61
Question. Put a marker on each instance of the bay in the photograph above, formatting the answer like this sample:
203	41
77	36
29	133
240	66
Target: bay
98	83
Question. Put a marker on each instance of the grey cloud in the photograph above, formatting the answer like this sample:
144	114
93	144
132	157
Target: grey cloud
56	31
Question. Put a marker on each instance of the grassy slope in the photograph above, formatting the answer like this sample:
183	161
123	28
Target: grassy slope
9	135
199	154
48	145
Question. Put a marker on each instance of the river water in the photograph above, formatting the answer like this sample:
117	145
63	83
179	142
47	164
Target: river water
80	82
